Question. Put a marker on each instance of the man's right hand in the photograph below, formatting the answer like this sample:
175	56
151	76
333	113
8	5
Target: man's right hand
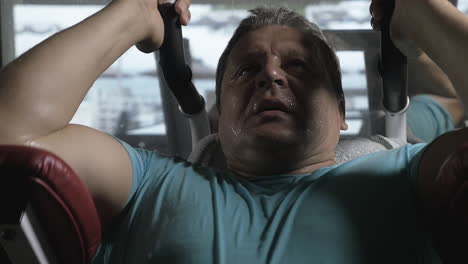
401	24
41	91
153	23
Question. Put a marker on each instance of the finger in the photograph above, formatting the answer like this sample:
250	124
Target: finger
182	8
371	9
148	46
378	2
375	9
375	24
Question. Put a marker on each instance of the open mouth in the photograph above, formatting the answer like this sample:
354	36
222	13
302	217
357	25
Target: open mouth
271	106
271	110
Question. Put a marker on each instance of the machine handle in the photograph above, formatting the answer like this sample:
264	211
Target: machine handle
393	66
177	73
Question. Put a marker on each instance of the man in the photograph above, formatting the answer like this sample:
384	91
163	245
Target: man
435	107
283	199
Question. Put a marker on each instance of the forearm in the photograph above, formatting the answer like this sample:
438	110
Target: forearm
426	77
41	90
442	32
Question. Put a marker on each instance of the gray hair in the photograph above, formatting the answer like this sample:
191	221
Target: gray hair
282	16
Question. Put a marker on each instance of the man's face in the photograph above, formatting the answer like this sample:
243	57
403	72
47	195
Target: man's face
275	94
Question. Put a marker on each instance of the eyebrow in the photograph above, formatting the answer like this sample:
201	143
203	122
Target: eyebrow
257	53
292	53
307	56
252	54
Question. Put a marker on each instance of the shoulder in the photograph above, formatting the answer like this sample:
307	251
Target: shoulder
388	160
145	160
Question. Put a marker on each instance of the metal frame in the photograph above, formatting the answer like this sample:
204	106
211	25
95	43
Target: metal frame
177	125
367	41
25	241
7	33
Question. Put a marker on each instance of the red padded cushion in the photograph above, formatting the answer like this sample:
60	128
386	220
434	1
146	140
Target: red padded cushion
447	208
60	200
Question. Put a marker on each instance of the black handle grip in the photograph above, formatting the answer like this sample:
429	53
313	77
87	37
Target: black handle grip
393	66
177	73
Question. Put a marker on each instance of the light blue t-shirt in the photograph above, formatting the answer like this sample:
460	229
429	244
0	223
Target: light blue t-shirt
427	119
362	211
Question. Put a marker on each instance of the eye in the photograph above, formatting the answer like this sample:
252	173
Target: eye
245	70
296	66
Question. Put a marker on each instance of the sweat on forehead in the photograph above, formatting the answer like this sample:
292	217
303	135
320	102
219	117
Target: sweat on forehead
293	44
280	16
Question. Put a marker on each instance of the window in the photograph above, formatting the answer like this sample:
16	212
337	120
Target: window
126	99
463	6
128	91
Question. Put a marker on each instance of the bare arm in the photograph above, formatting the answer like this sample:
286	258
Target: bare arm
41	90
426	77
435	27
441	31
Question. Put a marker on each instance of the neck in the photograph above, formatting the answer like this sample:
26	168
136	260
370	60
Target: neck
267	164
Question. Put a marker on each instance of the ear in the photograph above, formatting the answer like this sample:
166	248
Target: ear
343	126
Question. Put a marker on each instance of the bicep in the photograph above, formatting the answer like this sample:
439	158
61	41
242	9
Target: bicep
99	160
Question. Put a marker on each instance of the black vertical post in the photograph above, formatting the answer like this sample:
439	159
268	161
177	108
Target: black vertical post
177	125
374	92
393	67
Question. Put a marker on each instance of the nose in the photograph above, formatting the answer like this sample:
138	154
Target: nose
271	76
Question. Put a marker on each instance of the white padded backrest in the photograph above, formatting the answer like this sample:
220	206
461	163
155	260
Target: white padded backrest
349	149
208	151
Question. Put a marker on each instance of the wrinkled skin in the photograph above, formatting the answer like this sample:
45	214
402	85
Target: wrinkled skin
278	114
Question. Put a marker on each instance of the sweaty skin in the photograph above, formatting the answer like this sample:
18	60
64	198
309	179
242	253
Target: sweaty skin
440	30
41	91
277	105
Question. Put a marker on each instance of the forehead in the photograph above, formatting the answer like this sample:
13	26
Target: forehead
276	40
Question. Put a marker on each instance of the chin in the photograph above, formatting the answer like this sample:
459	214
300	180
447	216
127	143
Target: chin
274	139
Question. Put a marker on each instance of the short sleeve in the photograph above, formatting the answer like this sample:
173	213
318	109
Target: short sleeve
141	160
427	119
415	153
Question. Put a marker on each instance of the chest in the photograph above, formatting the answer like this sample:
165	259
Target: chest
334	221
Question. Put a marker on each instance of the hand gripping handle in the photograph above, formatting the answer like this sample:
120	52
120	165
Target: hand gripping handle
177	73
393	66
